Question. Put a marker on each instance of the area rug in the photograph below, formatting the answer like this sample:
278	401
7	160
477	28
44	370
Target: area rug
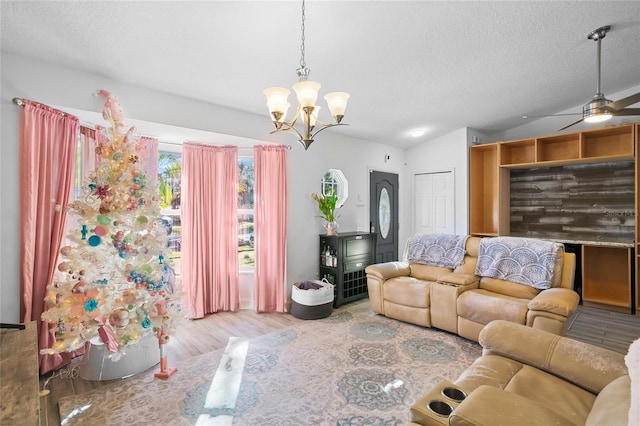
352	368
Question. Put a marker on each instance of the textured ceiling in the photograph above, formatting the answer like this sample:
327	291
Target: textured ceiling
408	64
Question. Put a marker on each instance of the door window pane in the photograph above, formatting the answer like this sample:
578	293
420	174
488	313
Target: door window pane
384	213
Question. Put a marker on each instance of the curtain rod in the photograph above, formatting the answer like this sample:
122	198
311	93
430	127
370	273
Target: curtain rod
20	102
204	143
169	143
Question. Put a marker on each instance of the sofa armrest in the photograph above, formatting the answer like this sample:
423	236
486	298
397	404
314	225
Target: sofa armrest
492	406
585	365
560	301
385	271
458	279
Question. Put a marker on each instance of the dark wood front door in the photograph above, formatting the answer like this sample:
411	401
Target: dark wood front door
383	214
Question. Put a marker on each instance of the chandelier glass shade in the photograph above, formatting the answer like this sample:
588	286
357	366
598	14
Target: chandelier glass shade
307	109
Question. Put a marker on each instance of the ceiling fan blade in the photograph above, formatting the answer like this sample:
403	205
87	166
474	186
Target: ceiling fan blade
626	111
618	105
572	124
551	115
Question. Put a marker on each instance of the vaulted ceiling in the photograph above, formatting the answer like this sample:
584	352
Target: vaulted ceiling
436	65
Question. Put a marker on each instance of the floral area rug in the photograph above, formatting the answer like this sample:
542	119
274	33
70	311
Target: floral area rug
352	368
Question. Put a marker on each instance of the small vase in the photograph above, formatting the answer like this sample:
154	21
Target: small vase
331	227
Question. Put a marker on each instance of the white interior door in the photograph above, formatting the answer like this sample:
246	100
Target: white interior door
433	203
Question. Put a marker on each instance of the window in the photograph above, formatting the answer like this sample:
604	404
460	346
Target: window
169	172
81	167
335	183
85	164
169	184
86	160
169	176
246	192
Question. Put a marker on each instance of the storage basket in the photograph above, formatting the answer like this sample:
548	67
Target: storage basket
312	303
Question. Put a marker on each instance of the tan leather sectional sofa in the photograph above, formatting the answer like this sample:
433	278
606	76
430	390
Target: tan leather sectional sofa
530	377
461	302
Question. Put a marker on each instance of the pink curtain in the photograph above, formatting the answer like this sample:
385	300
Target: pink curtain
92	137
270	223
150	162
47	139
209	228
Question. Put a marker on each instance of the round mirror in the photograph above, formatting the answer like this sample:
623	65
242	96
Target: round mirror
334	182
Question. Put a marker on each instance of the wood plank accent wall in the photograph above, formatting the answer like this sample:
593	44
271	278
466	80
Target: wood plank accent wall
590	202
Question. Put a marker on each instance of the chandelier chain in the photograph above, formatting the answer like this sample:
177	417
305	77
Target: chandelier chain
302	62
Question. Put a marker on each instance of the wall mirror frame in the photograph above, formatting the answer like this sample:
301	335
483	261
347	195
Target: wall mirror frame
335	182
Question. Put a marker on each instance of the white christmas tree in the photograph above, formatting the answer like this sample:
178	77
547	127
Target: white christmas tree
114	280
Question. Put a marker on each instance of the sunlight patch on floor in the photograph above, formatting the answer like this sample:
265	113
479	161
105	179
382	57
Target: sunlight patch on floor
225	384
74	413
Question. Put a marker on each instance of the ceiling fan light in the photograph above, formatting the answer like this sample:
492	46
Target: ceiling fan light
597	118
593	112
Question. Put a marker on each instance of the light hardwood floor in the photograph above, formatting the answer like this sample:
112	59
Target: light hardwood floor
192	338
611	330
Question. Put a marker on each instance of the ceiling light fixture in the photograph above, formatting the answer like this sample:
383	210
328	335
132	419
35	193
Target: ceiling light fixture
307	93
593	112
417	133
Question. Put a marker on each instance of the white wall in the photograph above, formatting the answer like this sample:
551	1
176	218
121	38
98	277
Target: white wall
52	85
448	152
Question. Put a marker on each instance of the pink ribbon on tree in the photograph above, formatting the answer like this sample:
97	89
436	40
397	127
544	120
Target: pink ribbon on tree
107	335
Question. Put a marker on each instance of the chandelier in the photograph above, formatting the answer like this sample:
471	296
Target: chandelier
307	110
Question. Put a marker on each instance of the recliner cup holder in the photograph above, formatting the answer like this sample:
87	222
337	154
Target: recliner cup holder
440	408
454	394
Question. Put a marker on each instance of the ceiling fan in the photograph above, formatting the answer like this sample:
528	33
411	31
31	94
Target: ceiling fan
600	108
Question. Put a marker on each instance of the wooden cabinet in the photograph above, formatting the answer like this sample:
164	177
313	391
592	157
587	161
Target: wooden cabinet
601	145
637	239
559	148
488	185
352	252
606	277
518	152
609	272
608	144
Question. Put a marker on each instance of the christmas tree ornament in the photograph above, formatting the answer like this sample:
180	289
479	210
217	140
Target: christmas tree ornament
165	371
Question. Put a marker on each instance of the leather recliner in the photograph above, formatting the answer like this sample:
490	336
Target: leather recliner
461	302
530	377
